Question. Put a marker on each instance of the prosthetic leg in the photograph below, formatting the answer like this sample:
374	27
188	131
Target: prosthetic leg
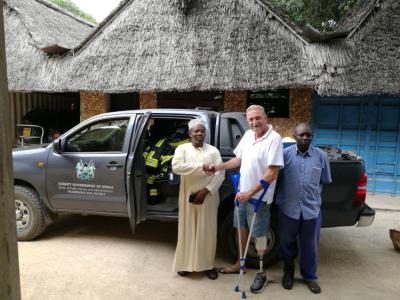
261	246
261	278
235	177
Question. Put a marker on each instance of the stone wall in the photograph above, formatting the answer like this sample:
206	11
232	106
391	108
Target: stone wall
235	101
300	106
148	100
93	103
300	110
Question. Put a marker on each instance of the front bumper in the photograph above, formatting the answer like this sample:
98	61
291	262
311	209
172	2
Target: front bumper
367	216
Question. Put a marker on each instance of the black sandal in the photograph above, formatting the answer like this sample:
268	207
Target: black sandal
183	273
212	274
313	286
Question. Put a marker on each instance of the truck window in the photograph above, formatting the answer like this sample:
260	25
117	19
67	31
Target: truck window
231	132
105	136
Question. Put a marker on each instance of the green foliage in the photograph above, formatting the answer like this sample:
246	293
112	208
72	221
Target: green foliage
74	9
321	14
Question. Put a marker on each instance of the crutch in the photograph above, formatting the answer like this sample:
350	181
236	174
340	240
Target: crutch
235	177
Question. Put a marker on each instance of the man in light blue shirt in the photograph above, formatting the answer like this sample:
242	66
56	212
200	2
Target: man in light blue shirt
299	203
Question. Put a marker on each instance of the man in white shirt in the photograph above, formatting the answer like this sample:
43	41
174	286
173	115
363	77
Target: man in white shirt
260	156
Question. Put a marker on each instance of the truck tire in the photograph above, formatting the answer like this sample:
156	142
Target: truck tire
229	243
30	213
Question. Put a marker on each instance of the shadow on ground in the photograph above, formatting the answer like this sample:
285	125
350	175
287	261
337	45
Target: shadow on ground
110	227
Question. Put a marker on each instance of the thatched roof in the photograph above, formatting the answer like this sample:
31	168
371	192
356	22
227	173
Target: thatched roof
158	45
50	25
374	48
182	45
32	28
357	15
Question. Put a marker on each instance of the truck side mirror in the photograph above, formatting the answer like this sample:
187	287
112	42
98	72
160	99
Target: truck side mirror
57	146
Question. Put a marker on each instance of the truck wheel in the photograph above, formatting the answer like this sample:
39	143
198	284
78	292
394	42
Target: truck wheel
229	243
30	213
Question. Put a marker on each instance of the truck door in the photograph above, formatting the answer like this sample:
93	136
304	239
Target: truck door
87	172
136	172
229	131
232	127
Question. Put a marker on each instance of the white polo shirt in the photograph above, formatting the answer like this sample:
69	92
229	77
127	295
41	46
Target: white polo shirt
256	156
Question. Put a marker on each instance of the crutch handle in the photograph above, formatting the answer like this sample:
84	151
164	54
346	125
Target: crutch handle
264	184
256	202
235	178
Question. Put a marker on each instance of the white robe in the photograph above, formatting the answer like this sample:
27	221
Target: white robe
197	228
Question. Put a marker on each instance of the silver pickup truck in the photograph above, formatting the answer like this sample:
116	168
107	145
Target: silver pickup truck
98	168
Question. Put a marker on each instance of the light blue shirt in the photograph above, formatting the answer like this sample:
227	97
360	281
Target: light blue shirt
300	186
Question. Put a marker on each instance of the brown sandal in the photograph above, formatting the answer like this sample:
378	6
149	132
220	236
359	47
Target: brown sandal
212	274
229	270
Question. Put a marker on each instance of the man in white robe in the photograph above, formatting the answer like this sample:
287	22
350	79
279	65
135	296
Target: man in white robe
197	229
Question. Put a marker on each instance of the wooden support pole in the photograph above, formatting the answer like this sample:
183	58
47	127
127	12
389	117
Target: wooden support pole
9	269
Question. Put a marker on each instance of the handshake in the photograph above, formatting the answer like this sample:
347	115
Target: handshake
210	169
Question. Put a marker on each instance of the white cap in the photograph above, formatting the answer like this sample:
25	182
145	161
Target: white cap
195	122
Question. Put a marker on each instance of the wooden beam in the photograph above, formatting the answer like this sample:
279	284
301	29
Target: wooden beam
9	269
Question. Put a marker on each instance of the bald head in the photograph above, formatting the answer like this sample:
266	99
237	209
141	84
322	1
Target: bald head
303	127
256	107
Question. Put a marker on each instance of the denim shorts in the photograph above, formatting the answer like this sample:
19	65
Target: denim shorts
261	223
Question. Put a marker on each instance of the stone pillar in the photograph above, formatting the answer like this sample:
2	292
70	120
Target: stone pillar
93	103
147	100
235	101
9	268
300	110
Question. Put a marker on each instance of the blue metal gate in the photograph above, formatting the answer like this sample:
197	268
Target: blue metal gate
370	126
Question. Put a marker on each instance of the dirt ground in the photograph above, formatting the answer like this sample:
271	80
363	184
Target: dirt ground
98	258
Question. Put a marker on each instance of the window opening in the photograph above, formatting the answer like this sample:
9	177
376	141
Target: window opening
275	102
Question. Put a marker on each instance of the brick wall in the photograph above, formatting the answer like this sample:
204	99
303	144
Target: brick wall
148	100
300	110
93	103
235	101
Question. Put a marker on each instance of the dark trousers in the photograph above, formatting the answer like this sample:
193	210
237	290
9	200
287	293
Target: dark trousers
308	233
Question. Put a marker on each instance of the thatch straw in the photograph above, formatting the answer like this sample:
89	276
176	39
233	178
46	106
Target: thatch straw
24	59
31	25
205	45
374	48
50	25
359	13
216	45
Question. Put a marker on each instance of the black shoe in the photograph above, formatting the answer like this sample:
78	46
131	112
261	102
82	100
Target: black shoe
259	283
287	281
313	286
288	274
